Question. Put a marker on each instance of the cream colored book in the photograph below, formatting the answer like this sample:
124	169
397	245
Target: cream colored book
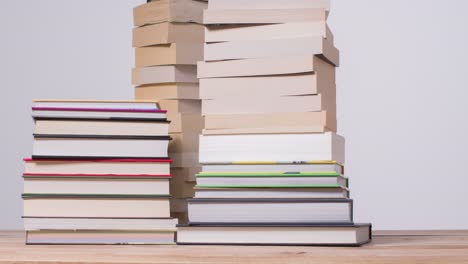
165	33
121	206
309	103
268	4
260	66
181	106
263	16
169	54
184	142
178	205
167	91
272	147
164	74
184	159
268	123
270	48
217	33
265	86
100	127
169	11
185	122
188	173
181	188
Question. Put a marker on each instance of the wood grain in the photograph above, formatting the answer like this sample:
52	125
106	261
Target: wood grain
387	247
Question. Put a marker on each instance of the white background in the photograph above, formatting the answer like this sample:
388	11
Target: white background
402	96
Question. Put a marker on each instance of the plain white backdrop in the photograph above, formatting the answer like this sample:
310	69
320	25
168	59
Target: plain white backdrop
402	96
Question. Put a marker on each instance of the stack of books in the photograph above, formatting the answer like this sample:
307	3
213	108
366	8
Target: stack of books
168	39
273	165
99	174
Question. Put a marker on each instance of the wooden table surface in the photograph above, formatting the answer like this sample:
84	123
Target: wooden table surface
413	247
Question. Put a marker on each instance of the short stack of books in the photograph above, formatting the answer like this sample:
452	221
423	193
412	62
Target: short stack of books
168	39
273	165
99	174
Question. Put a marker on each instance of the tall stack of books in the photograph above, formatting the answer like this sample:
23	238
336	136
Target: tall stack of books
99	174
273	165
168	39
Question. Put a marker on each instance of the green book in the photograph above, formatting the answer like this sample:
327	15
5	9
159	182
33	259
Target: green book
269	174
200	186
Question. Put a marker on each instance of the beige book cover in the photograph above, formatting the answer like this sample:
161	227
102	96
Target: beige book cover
180	106
268	4
266	86
169	11
183	142
270	48
188	173
163	91
261	66
167	32
164	74
217	33
184	159
308	103
180	188
263	16
169	54
185	123
266	123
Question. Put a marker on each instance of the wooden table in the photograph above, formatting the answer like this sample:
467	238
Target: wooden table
413	247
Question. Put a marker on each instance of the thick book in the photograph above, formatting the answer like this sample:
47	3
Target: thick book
250	49
101	127
282	234
270	179
272	192
320	166
185	159
266	148
270	123
109	184
85	146
164	74
217	33
181	106
268	86
169	11
284	104
163	91
167	32
95	104
184	142
169	54
107	206
187	173
261	66
180	188
270	211
186	122
263	16
92	223
100	237
268	4
98	166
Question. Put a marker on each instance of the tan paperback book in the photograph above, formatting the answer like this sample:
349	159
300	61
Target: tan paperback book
162	91
169	54
169	11
165	33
